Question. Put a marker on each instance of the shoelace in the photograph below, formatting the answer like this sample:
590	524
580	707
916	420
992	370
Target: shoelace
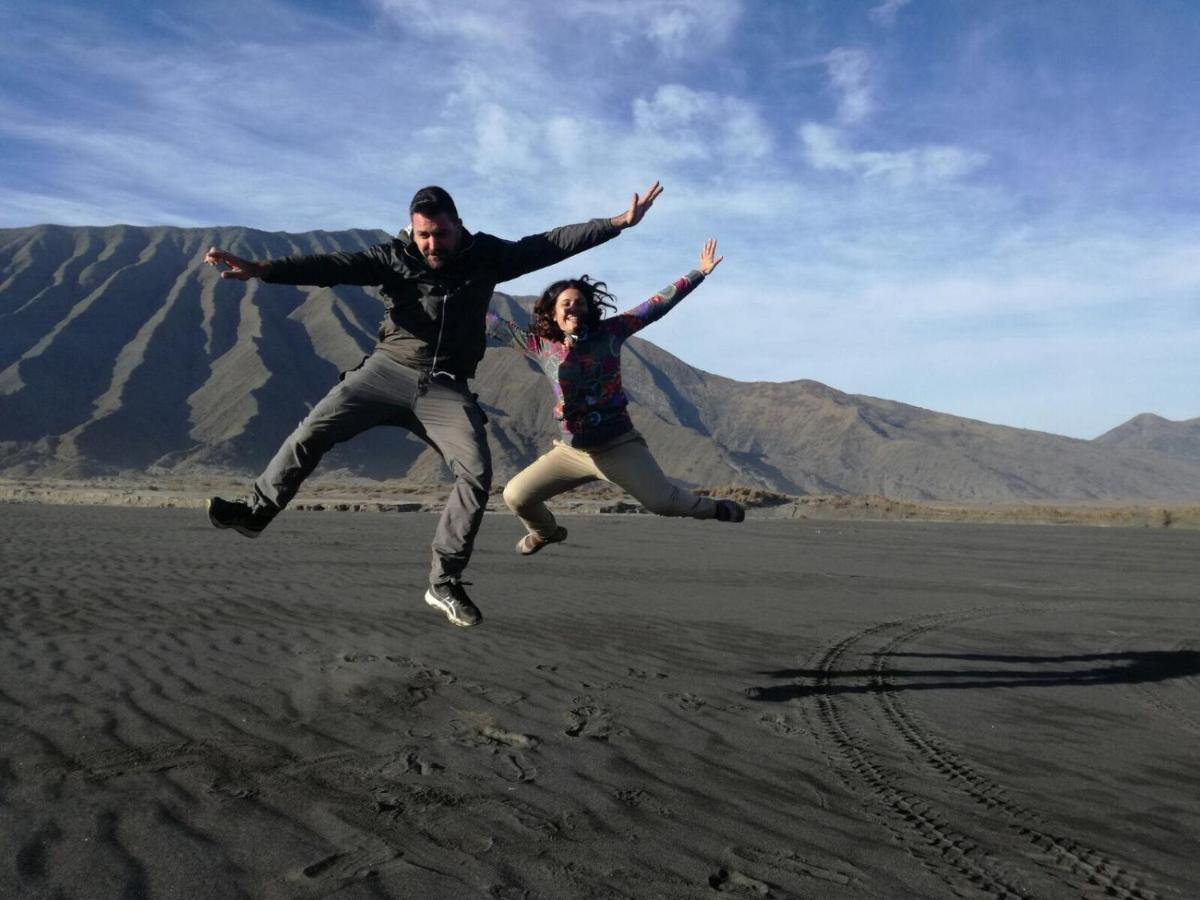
450	584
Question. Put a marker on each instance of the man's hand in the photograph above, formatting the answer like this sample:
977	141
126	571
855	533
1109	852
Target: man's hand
241	269
638	207
708	257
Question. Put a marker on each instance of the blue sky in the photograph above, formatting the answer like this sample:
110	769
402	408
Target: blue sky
984	208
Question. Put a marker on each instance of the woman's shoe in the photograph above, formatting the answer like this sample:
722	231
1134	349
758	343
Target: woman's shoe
532	543
730	511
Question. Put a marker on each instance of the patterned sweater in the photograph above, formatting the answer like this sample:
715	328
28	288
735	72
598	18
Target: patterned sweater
585	370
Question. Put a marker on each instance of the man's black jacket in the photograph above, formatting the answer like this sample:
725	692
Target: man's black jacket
434	319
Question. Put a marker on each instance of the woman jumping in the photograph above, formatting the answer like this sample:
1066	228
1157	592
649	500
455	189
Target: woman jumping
580	352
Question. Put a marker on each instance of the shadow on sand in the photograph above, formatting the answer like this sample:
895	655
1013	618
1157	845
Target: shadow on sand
1126	667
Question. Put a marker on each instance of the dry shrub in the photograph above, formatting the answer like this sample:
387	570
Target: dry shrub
747	496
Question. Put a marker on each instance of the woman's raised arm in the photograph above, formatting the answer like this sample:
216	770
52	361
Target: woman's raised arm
634	320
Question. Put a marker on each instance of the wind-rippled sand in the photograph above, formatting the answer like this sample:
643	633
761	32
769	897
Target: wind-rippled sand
654	709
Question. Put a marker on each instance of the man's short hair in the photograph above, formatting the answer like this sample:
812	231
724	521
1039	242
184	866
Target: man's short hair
429	201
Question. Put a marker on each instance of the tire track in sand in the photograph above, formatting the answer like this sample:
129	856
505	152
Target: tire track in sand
1072	862
927	833
946	852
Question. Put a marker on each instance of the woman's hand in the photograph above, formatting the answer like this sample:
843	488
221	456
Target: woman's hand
708	257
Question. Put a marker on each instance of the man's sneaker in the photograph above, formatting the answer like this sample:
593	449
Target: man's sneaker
730	511
452	599
238	515
532	543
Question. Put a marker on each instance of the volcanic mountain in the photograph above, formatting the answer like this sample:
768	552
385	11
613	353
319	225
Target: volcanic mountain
121	352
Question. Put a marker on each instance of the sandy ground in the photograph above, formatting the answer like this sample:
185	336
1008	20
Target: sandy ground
656	709
342	494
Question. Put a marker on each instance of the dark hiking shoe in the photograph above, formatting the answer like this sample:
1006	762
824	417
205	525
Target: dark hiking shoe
452	599
532	543
238	515
730	511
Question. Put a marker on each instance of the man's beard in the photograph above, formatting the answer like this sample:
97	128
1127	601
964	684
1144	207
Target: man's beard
440	260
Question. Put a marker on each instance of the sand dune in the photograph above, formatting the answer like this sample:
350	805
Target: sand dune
655	709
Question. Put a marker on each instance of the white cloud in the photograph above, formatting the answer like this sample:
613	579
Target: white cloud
566	140
232	136
921	166
506	143
940	163
829	147
472	21
824	146
678	28
674	27
850	74
683	123
886	12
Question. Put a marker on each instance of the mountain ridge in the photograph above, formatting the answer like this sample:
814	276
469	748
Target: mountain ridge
121	351
1148	431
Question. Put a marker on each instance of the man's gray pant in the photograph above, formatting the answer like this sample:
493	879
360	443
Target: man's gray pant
440	411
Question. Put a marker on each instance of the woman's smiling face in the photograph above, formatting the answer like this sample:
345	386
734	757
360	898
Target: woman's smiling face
570	311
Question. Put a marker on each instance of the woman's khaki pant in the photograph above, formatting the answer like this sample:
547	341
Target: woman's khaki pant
625	461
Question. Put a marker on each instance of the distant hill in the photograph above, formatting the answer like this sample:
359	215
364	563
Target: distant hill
1150	432
121	351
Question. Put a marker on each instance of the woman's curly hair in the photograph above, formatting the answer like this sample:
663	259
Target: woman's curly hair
594	292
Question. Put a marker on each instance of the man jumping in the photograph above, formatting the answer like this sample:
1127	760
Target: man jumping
437	280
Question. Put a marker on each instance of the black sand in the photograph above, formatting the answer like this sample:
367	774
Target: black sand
655	709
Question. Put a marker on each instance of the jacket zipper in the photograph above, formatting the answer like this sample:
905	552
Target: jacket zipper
433	372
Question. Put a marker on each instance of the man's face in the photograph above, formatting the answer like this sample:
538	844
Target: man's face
438	238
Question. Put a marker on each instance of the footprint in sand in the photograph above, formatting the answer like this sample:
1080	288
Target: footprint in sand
593	722
483	733
501	695
724	881
636	798
782	725
785	865
396	799
409	761
689	702
424	672
515	767
508	738
339	868
598	685
232	791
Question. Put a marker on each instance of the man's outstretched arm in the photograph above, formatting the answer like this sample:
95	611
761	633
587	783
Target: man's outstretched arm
540	250
238	268
365	267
